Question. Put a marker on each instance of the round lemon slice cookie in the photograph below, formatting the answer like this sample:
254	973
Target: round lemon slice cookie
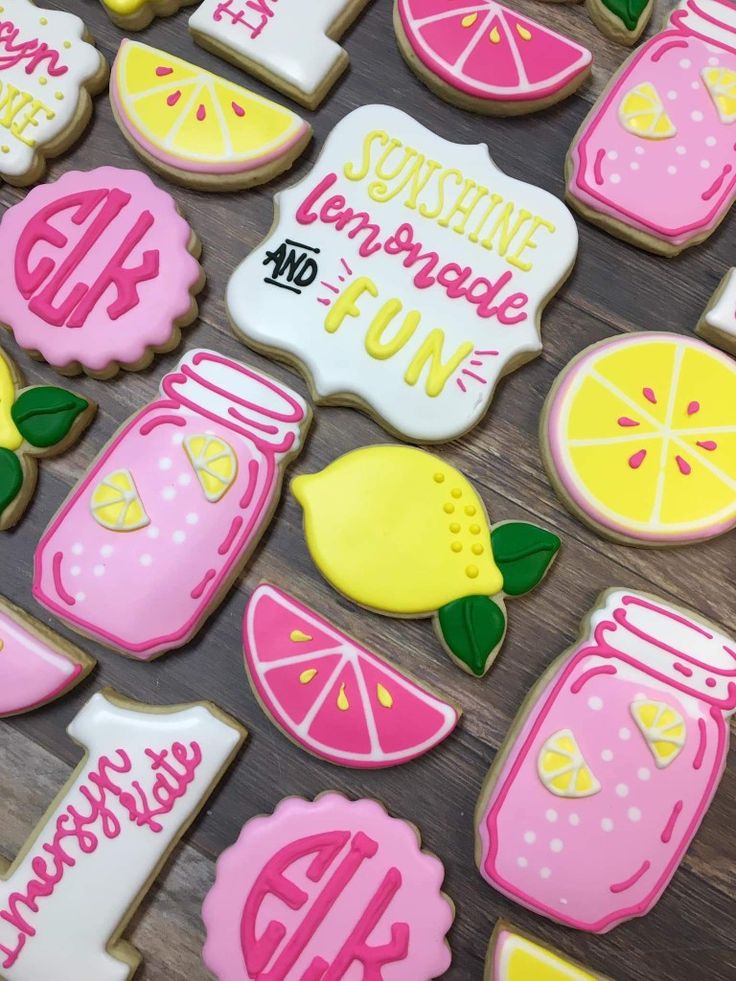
198	128
639	438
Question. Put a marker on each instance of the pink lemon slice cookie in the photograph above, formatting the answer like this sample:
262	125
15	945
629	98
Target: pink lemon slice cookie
332	697
512	956
198	128
485	57
36	665
331	888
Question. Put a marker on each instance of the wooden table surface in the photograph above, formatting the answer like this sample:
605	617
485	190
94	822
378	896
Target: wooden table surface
690	934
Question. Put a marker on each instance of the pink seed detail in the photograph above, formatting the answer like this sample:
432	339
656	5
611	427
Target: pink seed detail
707	444
163	70
201	112
683	466
637	459
626	422
173	98
693	408
238	110
649	395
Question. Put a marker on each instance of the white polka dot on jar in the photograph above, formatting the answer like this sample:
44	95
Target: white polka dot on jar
179	537
77	548
551	815
80	597
545	873
680	151
634	814
713	61
624	733
606	755
710	141
529	837
685	63
168	493
696	116
595	703
153	532
184	479
639	151
615	178
634	165
705	164
672	169
607	824
622	790
612	155
165	463
146	559
522	862
106	551
76	570
672	95
644	773
695	86
192	518
99	570
574	819
556	845
177	439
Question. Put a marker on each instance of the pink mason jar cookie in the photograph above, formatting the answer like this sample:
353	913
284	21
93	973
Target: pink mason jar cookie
655	161
152	537
611	766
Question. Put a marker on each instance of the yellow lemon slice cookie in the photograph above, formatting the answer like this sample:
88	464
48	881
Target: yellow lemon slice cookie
116	504
663	727
214	462
199	128
639	438
641	112
515	957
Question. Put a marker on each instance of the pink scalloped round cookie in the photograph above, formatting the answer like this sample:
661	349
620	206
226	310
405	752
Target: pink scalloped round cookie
102	271
328	889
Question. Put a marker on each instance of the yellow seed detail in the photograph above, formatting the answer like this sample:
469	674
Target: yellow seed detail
523	33
306	676
469	20
299	637
494	37
342	699
384	696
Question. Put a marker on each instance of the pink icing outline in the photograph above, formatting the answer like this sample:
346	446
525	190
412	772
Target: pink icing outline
178	163
553	429
499	95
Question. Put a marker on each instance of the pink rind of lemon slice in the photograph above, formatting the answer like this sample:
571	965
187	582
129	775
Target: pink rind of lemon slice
332	697
492	54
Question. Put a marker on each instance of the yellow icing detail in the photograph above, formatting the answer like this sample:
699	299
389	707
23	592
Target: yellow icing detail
10	438
494	37
13	103
646	436
524	34
375	523
116	505
195	116
663	727
342	699
306	676
214	462
562	769
375	345
299	637
516	958
721	84
469	20
439	372
384	696
125	7
641	111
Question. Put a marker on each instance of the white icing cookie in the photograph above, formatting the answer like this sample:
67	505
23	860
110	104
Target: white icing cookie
718	323
405	275
48	70
289	44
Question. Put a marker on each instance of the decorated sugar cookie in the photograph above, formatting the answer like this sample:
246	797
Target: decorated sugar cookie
49	70
621	20
134	15
405	275
36	664
289	44
513	956
199	129
330	888
104	274
718	323
331	696
436	554
610	765
146	773
172	507
639	439
653	163
36	422
486	57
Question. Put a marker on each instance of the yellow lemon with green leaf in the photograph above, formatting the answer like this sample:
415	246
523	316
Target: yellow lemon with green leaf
401	532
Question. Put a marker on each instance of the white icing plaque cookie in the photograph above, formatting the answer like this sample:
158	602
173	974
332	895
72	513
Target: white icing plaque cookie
290	44
718	323
405	275
146	773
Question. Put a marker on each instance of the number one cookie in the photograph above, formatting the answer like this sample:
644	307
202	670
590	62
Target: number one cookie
78	879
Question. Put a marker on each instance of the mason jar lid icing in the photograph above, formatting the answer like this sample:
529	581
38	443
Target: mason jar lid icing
669	644
711	20
234	395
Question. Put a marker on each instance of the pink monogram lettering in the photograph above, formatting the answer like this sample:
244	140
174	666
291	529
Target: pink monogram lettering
243	15
45	285
259	951
33	52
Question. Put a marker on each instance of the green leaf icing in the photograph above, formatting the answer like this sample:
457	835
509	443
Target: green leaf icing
473	629
523	552
629	12
45	415
11	478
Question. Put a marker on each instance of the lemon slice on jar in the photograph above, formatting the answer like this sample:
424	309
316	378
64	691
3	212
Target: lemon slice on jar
721	84
641	112
663	728
116	504
214	462
562	768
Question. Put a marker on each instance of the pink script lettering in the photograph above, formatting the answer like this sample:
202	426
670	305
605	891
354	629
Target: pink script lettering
244	14
34	52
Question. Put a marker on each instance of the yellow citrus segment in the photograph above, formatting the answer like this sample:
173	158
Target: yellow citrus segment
10	437
562	769
193	116
214	462
116	505
642	434
641	112
663	728
516	958
721	84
